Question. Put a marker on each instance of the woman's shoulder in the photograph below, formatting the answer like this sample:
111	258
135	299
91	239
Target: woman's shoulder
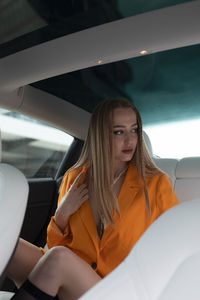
69	178
157	176
72	173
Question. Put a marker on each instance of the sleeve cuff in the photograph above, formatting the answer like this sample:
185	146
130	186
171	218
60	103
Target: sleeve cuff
55	236
57	230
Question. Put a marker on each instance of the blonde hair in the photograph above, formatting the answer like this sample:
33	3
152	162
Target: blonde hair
97	155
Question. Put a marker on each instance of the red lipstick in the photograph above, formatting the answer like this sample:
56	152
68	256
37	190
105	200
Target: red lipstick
127	151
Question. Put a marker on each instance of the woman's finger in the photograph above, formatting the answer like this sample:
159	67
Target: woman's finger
84	192
84	198
81	188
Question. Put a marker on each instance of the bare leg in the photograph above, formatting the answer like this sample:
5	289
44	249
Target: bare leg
25	258
62	272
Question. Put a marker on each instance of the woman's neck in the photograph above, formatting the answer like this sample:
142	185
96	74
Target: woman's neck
120	168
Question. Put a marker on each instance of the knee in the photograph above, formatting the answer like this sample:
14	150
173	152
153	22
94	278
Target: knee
52	265
59	252
57	256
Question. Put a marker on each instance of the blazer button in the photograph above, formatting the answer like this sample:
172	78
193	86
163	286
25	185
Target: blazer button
94	265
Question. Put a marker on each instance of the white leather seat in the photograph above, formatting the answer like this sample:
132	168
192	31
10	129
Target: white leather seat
187	185
13	200
164	264
184	173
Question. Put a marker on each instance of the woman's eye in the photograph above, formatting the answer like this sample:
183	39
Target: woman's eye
118	132
134	130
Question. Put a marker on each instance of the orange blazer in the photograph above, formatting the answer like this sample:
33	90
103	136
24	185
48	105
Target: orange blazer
117	241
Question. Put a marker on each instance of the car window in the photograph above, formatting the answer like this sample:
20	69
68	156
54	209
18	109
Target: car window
175	139
31	146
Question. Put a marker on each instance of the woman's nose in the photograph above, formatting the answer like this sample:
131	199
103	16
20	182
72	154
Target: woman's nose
128	137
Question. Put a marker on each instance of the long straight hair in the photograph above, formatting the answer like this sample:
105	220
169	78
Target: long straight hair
97	155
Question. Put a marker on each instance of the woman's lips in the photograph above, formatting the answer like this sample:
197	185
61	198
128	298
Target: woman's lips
127	151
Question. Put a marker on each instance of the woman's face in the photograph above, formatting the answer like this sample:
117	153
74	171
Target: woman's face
124	134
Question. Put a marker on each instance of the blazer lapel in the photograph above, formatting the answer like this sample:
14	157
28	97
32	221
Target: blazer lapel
87	218
129	189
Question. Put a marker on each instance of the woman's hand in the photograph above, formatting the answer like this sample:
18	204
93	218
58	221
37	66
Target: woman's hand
71	202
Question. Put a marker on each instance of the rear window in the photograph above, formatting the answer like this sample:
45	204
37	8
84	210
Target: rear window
175	139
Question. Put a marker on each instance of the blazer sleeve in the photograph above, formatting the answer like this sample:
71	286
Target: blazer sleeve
55	236
166	197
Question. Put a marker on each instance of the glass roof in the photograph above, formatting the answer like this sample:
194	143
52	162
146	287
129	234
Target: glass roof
25	23
164	86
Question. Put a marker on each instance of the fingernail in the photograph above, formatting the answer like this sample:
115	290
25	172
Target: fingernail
83	172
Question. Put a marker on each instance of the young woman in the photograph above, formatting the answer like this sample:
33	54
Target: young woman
107	200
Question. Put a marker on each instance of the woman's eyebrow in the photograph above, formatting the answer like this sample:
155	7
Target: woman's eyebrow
114	126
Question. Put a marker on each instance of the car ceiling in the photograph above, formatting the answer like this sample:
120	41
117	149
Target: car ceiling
164	85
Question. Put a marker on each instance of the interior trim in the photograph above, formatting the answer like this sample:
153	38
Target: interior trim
61	114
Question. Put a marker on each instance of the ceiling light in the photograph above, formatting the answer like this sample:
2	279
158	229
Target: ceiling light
143	52
100	61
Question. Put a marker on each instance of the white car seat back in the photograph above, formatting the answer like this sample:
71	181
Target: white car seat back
187	185
184	174
161	264
181	286
13	200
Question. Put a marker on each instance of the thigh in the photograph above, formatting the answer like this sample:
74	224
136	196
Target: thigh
23	261
78	279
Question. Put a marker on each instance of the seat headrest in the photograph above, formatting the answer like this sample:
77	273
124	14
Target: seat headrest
188	167
148	143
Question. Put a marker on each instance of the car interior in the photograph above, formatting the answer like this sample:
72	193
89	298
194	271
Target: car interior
57	61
